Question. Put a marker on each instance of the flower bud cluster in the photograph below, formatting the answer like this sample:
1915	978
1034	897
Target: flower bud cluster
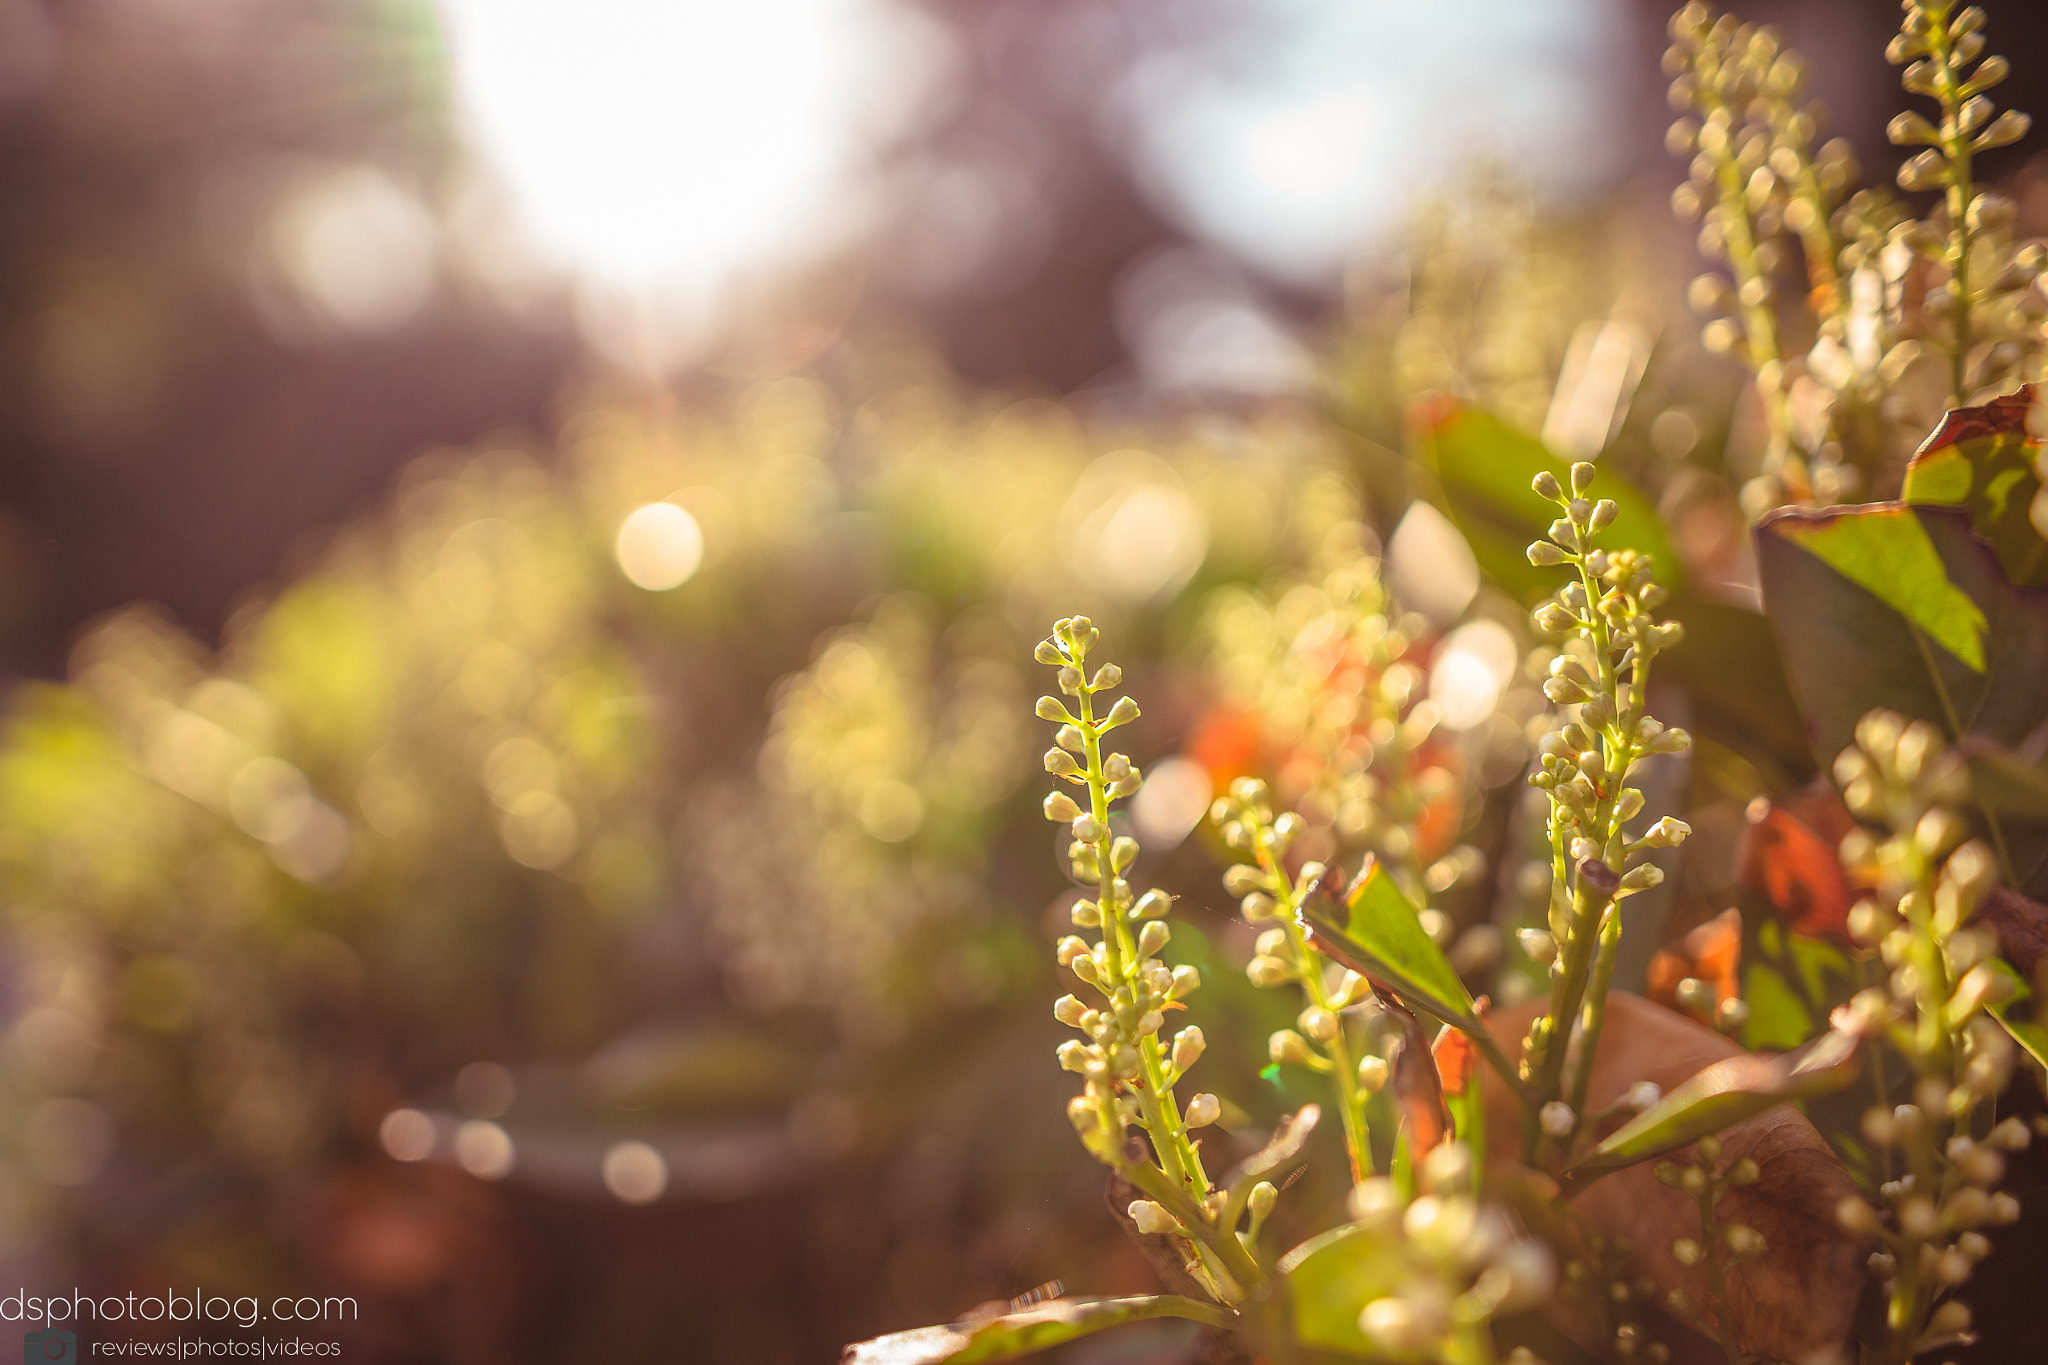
1985	299
1606	614
1268	897
1325	667
1932	1007
1883	287
1463	1262
1756	184
1720	1246
1129	1073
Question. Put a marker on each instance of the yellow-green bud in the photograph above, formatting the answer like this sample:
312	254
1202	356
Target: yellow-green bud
1151	1219
1049	708
1288	1046
1059	808
1188	1046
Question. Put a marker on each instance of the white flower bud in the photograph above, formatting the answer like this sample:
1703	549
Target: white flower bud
1070	738
1642	877
1447	1169
1855	1216
1109	675
1068	1010
1372	1074
1262	1199
1060	808
1557	1119
1153	937
1744	1241
1203	1110
1186	981
1123	713
1151	1022
1087	829
1188	1045
1288	1046
1268	972
1540	947
1398	1326
1242	879
1074	1054
1048	652
1151	1219
1667	833
1319	1023
1642	1095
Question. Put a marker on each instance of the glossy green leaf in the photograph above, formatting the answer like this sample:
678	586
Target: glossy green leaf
1484	468
1377	933
1732	671
1983	459
1332	1277
1904	607
1721	1095
2019	1014
1887	552
1777	1017
1010	1335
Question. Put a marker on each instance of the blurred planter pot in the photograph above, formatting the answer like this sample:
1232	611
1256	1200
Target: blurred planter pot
1794	1302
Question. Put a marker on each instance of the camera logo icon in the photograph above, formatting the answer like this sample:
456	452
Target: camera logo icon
51	1346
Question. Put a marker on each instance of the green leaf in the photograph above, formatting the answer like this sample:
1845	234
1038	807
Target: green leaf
1983	459
1721	1095
1904	607
1777	1018
1887	551
1332	1277
1376	932
1484	468
2019	1019
1033	1329
1731	668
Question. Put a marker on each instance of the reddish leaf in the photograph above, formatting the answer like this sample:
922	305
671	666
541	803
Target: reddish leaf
1711	952
1789	857
1796	1301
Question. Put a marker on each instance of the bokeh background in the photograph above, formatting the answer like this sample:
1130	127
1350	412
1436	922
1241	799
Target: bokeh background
521	527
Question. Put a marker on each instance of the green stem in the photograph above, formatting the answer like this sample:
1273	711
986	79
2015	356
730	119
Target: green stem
1759	321
1312	966
1955	149
1596	1007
